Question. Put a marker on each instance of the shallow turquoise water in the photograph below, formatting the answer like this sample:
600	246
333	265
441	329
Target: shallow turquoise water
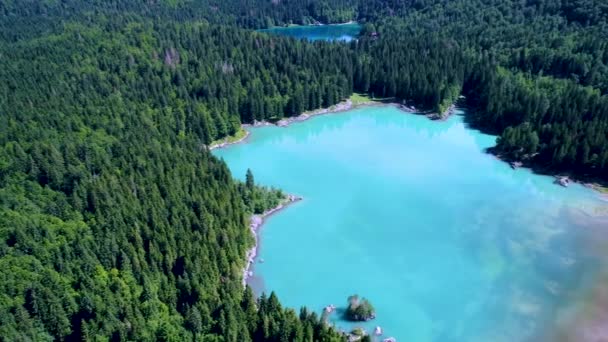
447	242
338	32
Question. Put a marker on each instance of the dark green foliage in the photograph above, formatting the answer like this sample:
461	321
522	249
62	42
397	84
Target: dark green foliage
183	73
533	72
358	331
549	123
359	309
519	63
115	221
258	199
426	72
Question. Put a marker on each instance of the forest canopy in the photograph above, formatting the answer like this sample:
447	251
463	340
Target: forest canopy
116	223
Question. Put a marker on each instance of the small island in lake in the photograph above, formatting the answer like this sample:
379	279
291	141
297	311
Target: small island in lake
359	309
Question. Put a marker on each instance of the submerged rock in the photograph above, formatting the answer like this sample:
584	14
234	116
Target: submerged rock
515	164
562	180
434	116
330	308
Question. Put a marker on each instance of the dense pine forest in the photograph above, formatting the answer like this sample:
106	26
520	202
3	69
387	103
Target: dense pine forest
116	223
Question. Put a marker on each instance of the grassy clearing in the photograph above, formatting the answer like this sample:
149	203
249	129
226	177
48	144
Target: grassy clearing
358	99
238	136
231	138
361	99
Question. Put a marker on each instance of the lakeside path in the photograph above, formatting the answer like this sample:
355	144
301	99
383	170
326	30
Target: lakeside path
255	223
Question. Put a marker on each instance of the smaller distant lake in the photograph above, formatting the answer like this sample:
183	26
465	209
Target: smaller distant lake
337	32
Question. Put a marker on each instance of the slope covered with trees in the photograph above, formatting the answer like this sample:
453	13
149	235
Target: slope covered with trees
115	221
534	72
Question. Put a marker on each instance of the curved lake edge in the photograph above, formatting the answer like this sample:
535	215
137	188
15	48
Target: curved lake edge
348	105
225	142
350	22
256	222
259	270
336	33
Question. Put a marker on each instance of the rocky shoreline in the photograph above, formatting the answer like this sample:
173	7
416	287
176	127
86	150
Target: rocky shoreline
255	223
561	179
349	105
429	114
343	106
337	108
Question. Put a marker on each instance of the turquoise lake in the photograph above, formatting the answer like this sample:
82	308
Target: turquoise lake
446	241
337	32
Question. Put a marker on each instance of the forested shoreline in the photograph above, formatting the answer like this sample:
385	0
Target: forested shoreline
116	221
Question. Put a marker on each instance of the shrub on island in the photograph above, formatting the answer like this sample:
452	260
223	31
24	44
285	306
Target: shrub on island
358	331
358	334
359	309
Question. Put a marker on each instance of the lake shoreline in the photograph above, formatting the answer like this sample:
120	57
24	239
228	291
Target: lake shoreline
349	104
225	141
256	222
385	129
340	107
589	182
318	23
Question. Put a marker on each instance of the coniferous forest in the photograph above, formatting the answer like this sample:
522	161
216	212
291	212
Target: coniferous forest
116	223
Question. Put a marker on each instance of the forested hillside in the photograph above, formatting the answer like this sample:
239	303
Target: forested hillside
535	73
115	221
33	17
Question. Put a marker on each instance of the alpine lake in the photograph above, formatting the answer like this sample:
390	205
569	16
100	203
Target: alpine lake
446	241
